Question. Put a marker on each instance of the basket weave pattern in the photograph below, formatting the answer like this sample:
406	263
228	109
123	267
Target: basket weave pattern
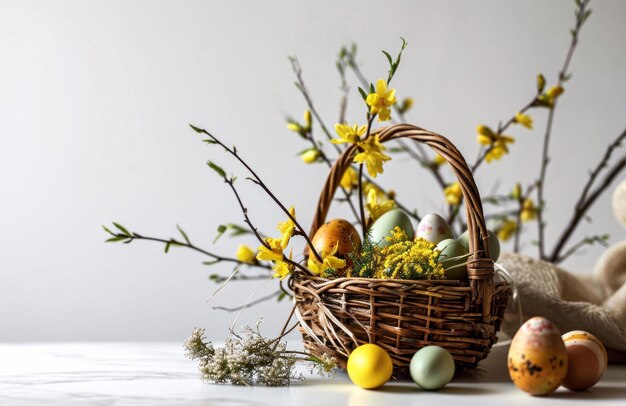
336	315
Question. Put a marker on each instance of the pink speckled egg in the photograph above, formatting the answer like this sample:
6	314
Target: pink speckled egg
537	358
587	360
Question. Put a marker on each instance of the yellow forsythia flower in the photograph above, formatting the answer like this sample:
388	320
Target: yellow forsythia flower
295	127
273	253
453	194
311	156
554	92
287	228
485	135
507	229
499	148
378	205
381	100
245	254
407	103
329	262
372	155
439	160
282	269
529	210
307	120
349	179
347	134
524	119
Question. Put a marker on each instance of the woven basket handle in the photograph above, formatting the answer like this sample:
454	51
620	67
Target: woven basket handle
479	265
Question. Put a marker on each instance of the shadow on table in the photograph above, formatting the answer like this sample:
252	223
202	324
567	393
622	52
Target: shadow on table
595	393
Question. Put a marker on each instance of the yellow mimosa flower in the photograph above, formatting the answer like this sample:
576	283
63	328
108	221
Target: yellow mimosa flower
287	228
311	156
273	253
524	119
372	155
529	210
349	179
347	134
381	100
378	205
245	254
282	269
368	186
507	229
439	160
453	194
329	262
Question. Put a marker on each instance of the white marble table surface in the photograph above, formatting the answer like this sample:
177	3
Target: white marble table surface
159	374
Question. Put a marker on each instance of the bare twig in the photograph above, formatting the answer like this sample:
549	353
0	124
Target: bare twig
253	303
263	186
581	15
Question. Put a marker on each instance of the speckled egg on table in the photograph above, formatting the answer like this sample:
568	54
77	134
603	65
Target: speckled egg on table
537	358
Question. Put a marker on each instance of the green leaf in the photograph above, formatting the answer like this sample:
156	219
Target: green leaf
281	296
217	169
116	239
184	234
167	246
221	229
372	89
389	58
238	230
214	277
209	141
196	129
362	92
121	228
108	231
209	263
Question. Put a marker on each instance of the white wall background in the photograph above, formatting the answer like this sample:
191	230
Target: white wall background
95	98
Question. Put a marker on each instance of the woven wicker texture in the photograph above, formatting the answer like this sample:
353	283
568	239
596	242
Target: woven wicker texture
336	315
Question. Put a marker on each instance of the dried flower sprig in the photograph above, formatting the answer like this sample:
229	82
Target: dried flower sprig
248	358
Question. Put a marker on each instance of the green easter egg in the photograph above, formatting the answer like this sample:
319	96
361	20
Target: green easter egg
454	267
432	368
383	227
493	242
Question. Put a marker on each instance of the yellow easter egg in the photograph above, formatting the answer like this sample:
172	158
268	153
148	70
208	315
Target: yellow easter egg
587	360
369	366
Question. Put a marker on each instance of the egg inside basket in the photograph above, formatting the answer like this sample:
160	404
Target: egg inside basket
402	316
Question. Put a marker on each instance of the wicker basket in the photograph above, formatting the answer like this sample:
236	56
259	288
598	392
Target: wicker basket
336	315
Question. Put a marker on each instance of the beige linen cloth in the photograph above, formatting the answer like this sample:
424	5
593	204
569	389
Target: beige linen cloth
570	302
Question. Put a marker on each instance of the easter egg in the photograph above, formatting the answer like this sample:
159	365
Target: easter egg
369	366
452	257
383	227
492	242
587	360
338	233
537	359
434	229
432	367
